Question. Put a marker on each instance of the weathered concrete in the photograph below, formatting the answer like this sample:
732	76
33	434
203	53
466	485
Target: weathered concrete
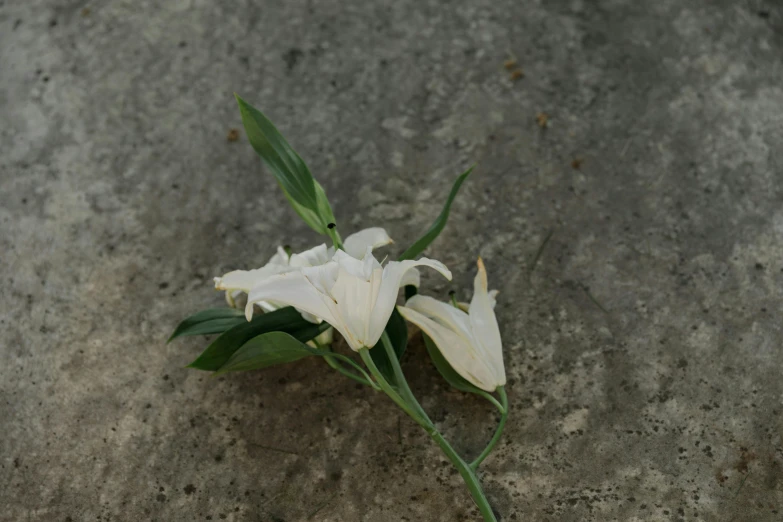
644	352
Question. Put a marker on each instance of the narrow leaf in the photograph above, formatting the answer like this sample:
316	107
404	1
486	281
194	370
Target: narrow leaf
305	194
213	320
284	320
398	334
440	222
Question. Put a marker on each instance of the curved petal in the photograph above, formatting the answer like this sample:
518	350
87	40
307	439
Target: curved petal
239	281
362	266
315	256
356	244
245	280
322	277
280	258
291	289
411	277
460	354
444	314
310	318
493	295
393	274
485	325
353	300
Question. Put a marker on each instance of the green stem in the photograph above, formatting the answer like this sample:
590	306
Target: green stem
503	417
502	409
386	387
331	361
334	235
400	377
467	473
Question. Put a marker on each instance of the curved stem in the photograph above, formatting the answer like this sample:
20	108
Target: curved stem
400	377
498	432
502	409
468	475
386	387
331	361
465	470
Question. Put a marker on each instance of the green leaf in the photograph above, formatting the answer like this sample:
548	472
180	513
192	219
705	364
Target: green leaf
284	320
274	348
410	291
302	190
446	370
213	320
266	350
398	334
440	222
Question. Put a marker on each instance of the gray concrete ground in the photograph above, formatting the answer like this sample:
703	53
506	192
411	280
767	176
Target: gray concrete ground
643	350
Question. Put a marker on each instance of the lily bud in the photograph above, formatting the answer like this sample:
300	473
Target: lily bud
470	341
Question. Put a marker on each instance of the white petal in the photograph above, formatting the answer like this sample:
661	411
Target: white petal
354	302
459	353
310	318
493	295
411	277
316	256
393	274
325	338
362	268
444	314
244	280
485	325
290	289
322	277
269	306
280	258
356	244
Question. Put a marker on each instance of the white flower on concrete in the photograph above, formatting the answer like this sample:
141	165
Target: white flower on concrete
355	296
470	341
242	281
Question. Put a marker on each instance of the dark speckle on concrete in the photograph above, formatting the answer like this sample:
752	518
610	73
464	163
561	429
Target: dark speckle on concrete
643	348
291	57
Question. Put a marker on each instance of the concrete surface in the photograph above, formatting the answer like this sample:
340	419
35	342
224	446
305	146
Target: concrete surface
643	352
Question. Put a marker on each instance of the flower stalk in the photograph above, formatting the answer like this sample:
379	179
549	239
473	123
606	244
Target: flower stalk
334	235
498	432
408	403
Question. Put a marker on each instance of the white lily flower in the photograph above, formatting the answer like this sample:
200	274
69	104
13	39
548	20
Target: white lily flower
355	296
470	341
242	281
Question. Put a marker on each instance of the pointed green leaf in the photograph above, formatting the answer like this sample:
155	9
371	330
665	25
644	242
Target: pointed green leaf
398	334
440	222
446	370
284	320
211	321
266	350
274	348
305	194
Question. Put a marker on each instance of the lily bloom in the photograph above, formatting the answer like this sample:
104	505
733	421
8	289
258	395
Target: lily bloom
355	296
470	341
242	281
